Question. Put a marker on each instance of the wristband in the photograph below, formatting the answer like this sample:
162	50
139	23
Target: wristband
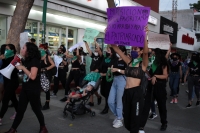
119	70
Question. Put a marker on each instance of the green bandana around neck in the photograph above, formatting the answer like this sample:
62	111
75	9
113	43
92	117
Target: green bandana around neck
74	58
195	63
136	61
154	67
8	53
42	52
107	60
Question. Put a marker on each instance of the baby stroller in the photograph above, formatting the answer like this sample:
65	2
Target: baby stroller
78	106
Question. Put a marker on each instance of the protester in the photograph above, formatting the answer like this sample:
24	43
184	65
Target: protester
46	66
3	47
117	89
175	76
10	85
74	72
62	71
193	73
97	57
107	78
133	94
30	87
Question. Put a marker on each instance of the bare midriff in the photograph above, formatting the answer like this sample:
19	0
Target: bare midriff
132	82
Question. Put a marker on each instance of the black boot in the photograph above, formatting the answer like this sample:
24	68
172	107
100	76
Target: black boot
46	106
104	111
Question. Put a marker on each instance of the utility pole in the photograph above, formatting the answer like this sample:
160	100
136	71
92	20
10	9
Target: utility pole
44	21
174	10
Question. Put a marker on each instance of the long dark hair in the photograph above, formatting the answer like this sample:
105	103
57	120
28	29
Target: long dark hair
32	51
3	48
12	47
160	58
123	49
113	53
63	49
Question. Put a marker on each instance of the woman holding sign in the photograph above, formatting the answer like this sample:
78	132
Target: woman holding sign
133	94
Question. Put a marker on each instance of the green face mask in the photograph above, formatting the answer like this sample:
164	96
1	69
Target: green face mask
42	52
8	53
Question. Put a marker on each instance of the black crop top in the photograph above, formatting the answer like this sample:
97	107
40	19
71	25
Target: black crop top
76	64
134	72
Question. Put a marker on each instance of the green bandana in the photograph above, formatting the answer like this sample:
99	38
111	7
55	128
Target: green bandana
74	58
136	61
109	75
154	67
8	53
107	60
195	64
42	52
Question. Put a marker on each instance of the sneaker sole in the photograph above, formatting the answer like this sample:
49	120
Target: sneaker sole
118	126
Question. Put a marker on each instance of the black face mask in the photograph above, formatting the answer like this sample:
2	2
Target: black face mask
175	59
107	54
74	53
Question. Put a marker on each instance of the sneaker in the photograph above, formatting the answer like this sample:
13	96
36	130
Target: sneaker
141	131
183	84
63	99
163	127
198	102
0	122
152	116
172	101
99	100
188	106
114	121
91	104
53	95
175	100
13	116
118	124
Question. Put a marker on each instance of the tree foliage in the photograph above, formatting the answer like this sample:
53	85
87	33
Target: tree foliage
195	6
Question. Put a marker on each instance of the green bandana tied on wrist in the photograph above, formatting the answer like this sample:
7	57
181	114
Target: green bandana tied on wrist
8	53
109	75
136	61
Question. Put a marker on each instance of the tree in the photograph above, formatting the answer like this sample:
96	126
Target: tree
195	6
18	22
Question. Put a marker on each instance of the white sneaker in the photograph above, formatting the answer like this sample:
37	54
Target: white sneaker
114	120
141	131
53	95
0	122
118	124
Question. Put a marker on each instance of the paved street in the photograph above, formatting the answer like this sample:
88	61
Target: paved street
181	120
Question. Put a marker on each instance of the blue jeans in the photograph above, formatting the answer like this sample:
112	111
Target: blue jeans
174	82
115	96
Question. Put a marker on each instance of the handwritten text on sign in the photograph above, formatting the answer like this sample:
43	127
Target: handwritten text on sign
156	40
126	25
90	34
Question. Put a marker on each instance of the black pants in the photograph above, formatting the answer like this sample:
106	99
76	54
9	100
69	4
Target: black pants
105	89
61	77
9	94
73	75
133	101
26	96
193	81
155	92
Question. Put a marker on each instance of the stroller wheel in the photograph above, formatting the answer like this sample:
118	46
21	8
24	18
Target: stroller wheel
92	114
65	114
73	117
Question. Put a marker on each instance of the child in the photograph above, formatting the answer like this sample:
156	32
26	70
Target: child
82	91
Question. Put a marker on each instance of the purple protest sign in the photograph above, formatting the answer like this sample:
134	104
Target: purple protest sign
126	25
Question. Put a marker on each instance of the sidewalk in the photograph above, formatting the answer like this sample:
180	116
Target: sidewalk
181	120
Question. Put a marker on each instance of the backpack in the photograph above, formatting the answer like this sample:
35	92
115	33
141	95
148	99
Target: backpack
53	71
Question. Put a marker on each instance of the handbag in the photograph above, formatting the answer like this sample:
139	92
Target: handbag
45	84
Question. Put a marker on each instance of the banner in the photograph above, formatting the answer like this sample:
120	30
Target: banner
75	46
156	40
126	25
90	34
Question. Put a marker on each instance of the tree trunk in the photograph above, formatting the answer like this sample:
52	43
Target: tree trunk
111	3
18	22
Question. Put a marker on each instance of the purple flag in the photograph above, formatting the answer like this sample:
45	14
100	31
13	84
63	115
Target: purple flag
126	25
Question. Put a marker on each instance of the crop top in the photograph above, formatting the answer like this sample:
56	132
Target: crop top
134	72
76	64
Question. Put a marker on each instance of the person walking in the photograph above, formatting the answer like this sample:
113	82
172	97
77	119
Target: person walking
31	86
